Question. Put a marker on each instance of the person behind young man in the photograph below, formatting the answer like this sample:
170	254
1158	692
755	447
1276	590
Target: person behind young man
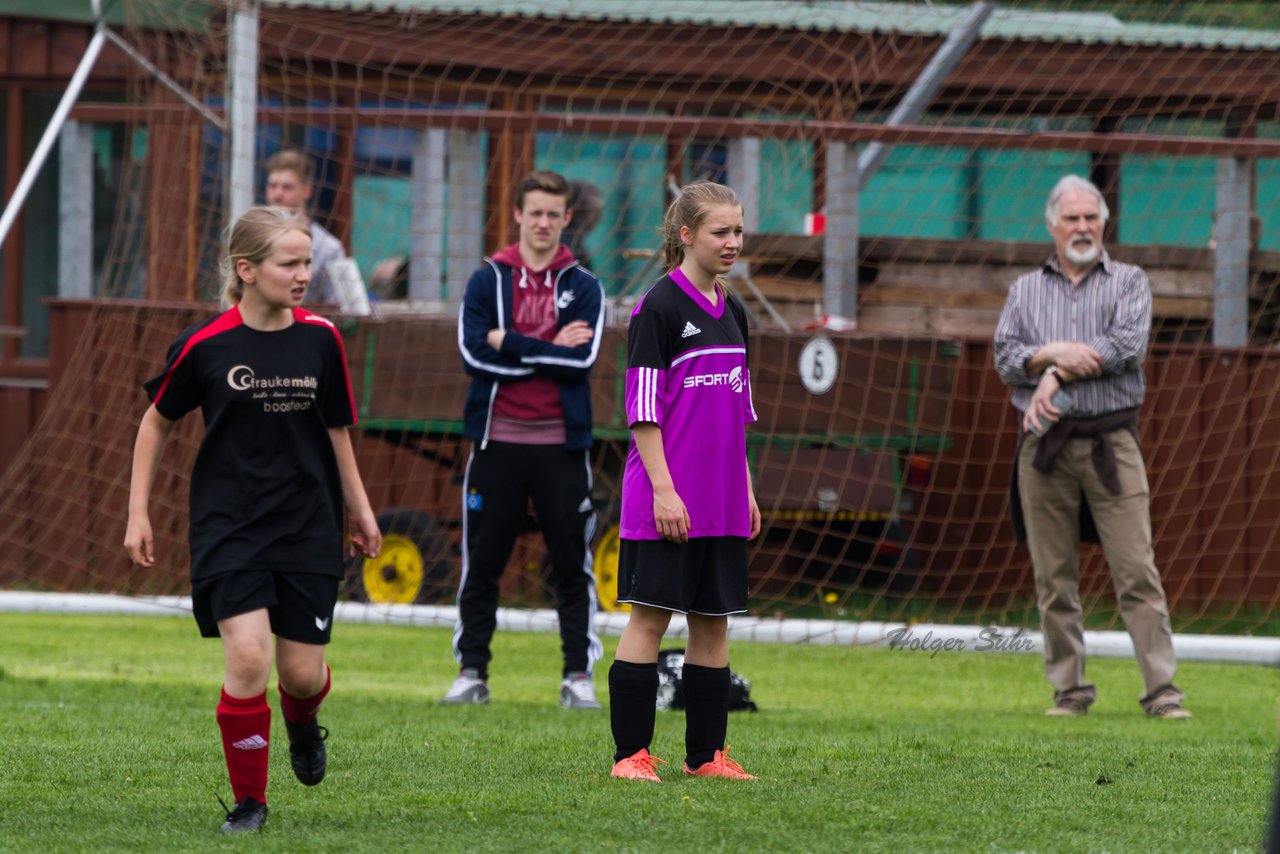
587	207
688	507
1071	341
275	468
290	184
529	331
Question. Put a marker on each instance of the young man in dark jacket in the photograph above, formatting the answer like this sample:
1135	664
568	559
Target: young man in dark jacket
529	332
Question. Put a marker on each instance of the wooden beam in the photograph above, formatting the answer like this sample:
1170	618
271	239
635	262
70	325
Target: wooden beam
714	128
498	185
30	49
342	212
68	44
953	297
930	320
1192	307
675	158
1107	77
169	225
1104	172
876	251
194	204
14	163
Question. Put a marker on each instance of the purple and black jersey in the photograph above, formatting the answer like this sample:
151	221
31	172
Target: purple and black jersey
687	373
266	493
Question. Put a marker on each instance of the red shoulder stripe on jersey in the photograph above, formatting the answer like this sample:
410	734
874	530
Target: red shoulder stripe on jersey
302	315
228	320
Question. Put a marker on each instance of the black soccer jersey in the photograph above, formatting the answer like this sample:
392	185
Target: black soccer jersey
265	492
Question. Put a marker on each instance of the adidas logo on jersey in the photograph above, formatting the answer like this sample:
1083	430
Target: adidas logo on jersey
689	330
253	742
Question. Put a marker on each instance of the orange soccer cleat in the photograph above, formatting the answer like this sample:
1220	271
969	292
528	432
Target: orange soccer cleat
720	766
641	765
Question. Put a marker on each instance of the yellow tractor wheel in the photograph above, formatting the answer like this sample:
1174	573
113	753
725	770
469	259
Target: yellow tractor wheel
416	563
606	566
395	575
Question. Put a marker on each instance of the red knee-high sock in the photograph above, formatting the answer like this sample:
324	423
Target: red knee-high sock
246	741
297	711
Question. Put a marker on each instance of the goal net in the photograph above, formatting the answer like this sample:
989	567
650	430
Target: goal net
894	160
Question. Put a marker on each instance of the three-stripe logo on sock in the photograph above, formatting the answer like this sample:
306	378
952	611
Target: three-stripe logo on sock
253	742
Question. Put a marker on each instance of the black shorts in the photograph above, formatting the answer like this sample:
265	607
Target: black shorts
706	575
299	604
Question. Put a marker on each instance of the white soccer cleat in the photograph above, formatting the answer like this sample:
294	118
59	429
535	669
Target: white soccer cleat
467	689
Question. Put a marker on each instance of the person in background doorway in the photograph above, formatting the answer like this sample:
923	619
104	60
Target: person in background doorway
291	184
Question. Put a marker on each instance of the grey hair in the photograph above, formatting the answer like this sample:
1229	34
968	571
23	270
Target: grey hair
1073	182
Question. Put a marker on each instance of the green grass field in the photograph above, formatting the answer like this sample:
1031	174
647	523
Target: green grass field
108	742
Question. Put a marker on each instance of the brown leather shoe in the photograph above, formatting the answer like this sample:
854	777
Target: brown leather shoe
1068	709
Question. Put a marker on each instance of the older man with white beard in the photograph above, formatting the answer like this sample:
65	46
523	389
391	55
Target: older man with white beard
1071	341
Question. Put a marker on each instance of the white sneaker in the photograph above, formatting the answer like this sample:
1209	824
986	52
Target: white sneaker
578	692
467	688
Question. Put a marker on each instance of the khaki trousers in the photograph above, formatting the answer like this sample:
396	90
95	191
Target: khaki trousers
1051	510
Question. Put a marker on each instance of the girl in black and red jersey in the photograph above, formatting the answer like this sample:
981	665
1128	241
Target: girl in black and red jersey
267	492
688	506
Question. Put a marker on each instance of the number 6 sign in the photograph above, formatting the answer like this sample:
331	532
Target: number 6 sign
818	365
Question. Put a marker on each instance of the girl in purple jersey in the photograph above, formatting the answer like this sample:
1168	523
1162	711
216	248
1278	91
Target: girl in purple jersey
688	508
274	469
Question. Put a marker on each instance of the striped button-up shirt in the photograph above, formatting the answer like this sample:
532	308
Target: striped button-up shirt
1110	310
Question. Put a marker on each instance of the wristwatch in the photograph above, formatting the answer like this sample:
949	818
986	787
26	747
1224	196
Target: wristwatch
1053	371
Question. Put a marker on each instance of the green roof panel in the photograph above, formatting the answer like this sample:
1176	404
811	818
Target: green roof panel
836	15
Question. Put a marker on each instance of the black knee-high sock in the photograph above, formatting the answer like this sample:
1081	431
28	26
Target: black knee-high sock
706	712
633	697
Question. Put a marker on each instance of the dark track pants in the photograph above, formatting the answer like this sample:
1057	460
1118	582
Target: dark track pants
500	481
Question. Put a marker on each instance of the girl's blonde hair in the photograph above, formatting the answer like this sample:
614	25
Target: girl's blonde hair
251	238
690	208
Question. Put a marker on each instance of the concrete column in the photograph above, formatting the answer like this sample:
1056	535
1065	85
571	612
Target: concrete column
744	178
1233	220
465	230
426	253
840	241
75	211
242	106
